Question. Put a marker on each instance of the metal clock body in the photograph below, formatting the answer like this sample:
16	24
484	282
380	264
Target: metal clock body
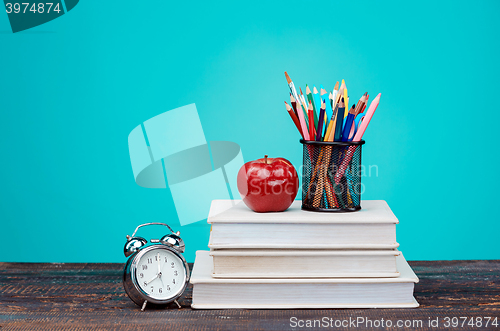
158	273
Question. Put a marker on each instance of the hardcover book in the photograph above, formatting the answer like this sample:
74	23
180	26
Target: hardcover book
284	263
291	293
235	226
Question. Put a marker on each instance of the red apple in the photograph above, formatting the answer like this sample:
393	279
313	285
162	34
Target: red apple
268	184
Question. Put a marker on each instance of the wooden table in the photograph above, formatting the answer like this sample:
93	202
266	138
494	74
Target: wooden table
90	296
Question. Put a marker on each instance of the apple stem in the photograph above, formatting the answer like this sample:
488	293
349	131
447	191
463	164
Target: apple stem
265	159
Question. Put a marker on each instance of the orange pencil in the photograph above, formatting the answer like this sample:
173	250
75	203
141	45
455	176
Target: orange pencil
331	127
359	106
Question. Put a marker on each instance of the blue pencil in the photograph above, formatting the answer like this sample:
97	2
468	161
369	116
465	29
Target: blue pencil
348	124
328	105
357	120
340	119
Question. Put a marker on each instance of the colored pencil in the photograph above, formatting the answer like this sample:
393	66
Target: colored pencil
368	117
346	100
311	120
301	94
366	102
293	104
300	114
306	114
319	131
318	194
335	92
340	119
331	126
357	137
316	97
348	124
353	127
360	104
294	118
329	129
302	97
330	194
328	111
357	121
302	120
342	86
311	100
304	104
328	116
291	86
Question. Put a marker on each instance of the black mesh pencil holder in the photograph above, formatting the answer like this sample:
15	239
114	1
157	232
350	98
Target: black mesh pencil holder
331	176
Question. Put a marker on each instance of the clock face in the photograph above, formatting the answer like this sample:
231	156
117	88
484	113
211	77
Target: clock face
160	274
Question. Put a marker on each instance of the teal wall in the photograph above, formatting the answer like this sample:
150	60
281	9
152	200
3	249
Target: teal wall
71	91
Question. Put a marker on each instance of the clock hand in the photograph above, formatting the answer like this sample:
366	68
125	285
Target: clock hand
162	284
159	271
147	283
162	265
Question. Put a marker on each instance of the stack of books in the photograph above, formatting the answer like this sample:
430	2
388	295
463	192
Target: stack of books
301	259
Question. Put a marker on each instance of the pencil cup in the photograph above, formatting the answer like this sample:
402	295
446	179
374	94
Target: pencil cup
331	176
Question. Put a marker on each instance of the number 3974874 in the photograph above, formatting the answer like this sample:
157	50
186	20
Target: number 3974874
32	7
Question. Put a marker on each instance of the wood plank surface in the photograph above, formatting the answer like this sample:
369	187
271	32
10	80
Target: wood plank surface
90	296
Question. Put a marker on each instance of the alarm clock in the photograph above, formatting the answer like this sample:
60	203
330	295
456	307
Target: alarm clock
156	273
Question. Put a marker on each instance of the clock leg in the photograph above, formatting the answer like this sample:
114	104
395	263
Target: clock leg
144	305
178	305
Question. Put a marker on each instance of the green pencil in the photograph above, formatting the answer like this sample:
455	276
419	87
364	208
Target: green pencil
311	100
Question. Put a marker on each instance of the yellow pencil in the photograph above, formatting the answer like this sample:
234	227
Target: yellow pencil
346	99
331	127
332	122
328	130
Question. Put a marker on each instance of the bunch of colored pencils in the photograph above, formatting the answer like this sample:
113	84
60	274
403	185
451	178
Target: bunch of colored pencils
324	118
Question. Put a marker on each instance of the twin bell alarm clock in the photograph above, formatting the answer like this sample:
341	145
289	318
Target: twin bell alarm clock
155	273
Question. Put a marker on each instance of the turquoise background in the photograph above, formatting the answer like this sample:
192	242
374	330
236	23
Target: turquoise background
74	88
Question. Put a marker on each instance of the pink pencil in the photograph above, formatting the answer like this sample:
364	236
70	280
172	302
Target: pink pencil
357	137
302	121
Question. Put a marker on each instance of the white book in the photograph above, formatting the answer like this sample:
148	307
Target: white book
234	225
294	293
283	263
